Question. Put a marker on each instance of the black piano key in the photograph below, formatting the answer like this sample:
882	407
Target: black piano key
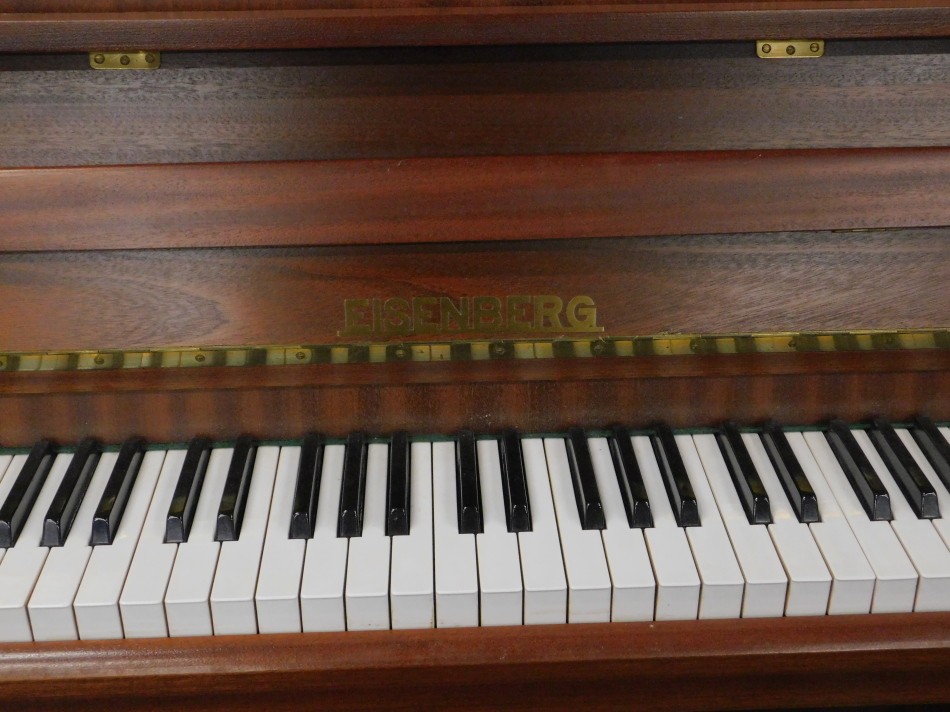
23	494
934	446
236	487
181	511
62	510
864	480
303	519
905	470
514	482
589	505
678	486
752	493
796	485
350	523
467	488
398	486
632	489
115	497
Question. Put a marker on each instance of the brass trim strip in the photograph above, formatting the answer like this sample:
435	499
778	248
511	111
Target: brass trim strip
636	346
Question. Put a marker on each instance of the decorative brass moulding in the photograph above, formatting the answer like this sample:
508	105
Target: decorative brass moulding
478	350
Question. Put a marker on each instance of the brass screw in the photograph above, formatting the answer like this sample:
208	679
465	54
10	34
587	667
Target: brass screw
766	48
790	50
498	349
400	352
300	355
792	343
99	58
597	348
124	60
694	345
889	339
200	358
814	47
99	360
151	58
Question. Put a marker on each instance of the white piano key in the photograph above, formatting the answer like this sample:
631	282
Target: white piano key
765	581
412	585
942	525
499	563
542	567
235	579
853	579
634	588
188	598
97	602
723	583
809	581
920	540
367	566
896	585
51	604
142	603
324	571
677	580
10	468
22	563
456	567
588	579
277	599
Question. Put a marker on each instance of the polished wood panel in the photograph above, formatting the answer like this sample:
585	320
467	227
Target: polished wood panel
348	104
467	199
169	407
697	665
127	299
459	24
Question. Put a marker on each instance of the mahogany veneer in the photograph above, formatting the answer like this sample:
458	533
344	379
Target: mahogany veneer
92	26
470	199
697	665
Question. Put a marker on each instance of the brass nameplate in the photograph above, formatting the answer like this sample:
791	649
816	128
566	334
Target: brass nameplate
520	314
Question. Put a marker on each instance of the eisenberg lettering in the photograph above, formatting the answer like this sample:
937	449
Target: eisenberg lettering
516	314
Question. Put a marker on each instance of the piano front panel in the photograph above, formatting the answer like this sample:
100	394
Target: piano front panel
687	285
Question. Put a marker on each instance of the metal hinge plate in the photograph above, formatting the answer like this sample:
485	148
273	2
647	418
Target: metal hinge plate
789	49
125	60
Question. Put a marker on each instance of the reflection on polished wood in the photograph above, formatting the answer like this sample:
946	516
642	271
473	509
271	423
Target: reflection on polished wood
471	199
697	665
44	27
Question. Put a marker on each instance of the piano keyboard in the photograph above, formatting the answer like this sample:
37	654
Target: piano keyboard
408	532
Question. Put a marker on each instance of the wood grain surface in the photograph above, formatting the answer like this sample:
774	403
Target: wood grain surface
407	23
470	199
696	665
127	299
348	104
549	395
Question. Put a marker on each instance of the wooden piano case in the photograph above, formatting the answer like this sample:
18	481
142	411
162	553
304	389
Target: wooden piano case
270	233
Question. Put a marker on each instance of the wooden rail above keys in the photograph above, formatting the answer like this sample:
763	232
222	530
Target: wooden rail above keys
695	665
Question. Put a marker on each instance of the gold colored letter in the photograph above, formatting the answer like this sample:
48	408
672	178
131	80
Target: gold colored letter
582	314
547	306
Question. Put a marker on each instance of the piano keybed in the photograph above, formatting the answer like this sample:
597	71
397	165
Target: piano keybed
416	532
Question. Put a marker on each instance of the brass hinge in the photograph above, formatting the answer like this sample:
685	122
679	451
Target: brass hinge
789	49
125	60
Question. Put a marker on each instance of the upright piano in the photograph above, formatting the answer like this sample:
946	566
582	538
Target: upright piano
474	354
